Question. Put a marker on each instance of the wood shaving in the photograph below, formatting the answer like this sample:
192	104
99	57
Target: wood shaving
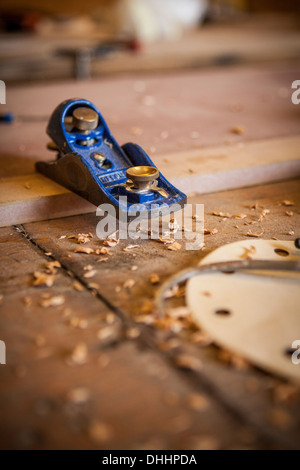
88	267
146	319
105	332
178	312
90	274
129	283
42	279
185	361
154	278
265	212
207	231
84	249
78	395
93	285
221	214
103	251
62	237
79	355
83	238
77	322
134	267
175	246
274	238
255	235
110	318
238	362
201	339
196	217
287	203
240	216
51	266
102	260
111	242
263	215
130	247
54	301
237	130
169	324
78	286
289	213
48	253
165	240
291	232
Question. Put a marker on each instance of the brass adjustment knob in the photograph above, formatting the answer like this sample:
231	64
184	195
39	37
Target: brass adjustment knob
85	119
142	177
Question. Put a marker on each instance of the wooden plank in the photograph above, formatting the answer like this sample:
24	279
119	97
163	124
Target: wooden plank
33	197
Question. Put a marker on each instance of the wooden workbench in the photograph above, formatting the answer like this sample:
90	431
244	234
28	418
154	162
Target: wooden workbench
100	370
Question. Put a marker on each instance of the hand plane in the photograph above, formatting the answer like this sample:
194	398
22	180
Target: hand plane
91	163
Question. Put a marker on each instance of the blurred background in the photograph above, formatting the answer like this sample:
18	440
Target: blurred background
46	41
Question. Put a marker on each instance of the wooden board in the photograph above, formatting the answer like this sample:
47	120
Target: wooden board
33	197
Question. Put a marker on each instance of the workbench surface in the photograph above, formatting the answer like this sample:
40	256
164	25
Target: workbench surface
100	370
